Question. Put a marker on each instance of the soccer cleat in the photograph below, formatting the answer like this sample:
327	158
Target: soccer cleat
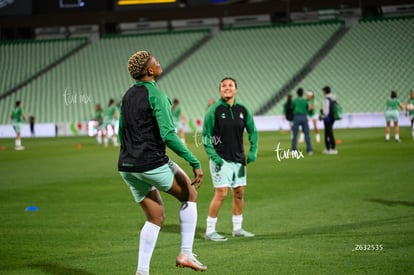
215	237
191	262
142	273
330	152
242	233
326	151
19	148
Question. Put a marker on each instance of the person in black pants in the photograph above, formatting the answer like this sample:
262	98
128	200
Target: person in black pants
328	121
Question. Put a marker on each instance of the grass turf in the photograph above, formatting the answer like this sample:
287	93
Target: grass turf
352	213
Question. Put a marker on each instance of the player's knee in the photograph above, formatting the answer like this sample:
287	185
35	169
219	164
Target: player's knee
220	194
238	193
192	195
158	219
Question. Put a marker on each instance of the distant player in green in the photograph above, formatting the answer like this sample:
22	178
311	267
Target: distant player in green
300	112
393	105
223	128
145	130
110	121
178	118
18	117
99	122
409	107
313	114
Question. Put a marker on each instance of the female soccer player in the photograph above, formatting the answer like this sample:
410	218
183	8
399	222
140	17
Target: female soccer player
17	116
145	129
393	104
110	118
223	129
99	125
179	119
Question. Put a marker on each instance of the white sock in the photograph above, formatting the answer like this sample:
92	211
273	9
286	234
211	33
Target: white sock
211	225
147	240
188	223
99	139
387	136
115	140
105	141
237	222
18	142
397	136
318	137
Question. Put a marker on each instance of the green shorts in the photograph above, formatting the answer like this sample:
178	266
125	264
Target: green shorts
230	174
17	126
100	127
391	115
314	116
107	123
140	183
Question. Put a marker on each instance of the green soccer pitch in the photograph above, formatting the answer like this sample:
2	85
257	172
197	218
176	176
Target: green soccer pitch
351	213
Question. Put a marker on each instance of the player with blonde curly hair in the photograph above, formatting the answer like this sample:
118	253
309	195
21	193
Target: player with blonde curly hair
145	129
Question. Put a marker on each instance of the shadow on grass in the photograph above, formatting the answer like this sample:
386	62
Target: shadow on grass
52	268
392	203
335	229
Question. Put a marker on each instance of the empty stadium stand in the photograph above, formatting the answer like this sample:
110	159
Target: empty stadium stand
95	74
22	60
374	57
261	59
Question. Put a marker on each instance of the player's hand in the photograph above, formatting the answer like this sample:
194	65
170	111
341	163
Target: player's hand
198	177
251	157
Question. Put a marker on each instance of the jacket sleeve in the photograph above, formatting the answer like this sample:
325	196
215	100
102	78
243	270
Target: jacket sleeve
208	126
253	137
325	107
161	105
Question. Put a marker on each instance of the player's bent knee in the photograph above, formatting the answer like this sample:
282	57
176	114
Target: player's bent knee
220	193
192	195
157	220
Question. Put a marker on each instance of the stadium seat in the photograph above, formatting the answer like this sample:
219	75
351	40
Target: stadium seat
374	58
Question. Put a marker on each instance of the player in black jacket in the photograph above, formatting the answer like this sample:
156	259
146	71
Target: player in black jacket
223	129
145	129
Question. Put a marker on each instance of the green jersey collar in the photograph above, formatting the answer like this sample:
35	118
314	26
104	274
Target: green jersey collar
140	83
224	103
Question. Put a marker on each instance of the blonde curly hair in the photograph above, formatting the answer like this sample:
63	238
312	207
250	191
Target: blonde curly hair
137	64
